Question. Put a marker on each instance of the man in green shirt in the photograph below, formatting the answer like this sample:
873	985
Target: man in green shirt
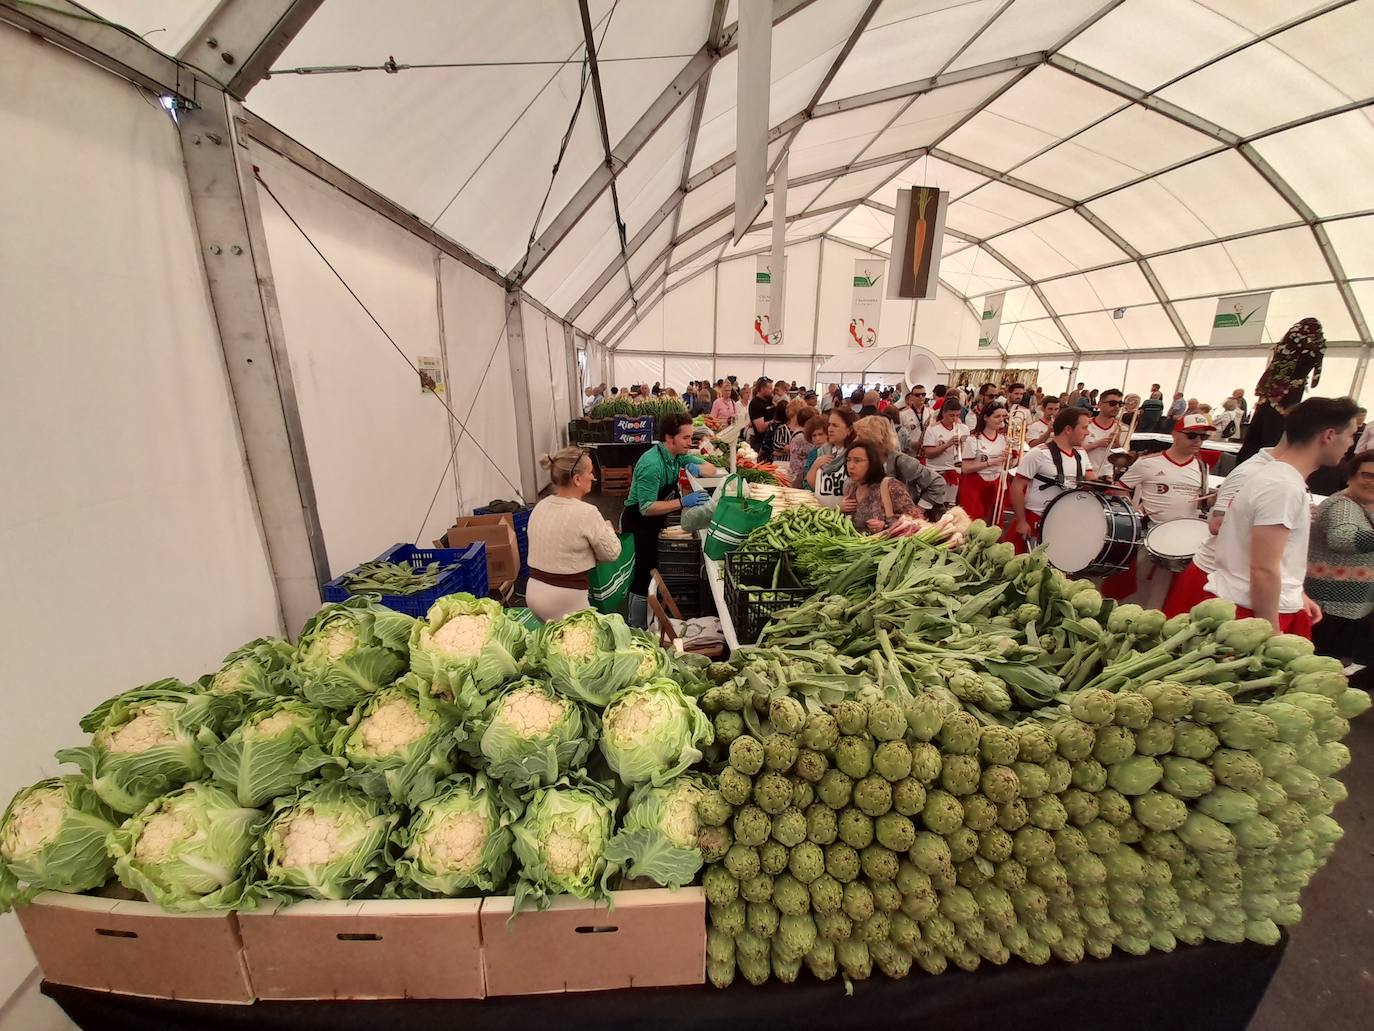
653	497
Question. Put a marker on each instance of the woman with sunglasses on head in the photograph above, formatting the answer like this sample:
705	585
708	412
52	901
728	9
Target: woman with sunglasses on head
567	537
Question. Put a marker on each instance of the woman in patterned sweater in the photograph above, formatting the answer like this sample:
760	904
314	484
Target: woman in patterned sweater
1340	566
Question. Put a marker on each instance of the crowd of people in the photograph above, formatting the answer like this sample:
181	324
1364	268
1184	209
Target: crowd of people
1003	452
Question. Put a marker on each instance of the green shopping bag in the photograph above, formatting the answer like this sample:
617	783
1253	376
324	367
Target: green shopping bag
736	516
609	582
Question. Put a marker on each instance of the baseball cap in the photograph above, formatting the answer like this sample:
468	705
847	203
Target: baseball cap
1196	421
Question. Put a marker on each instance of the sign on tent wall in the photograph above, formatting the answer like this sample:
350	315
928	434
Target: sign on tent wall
918	228
866	302
990	324
763	301
1240	319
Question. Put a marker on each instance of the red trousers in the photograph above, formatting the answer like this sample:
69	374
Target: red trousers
1299	623
1010	536
1189	588
978	497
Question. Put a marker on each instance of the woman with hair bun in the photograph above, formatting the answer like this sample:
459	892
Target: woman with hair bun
567	537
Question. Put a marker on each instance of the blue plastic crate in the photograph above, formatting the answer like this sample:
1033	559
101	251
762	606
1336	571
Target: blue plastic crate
470	577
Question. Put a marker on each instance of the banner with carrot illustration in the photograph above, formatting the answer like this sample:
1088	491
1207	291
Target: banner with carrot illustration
918	229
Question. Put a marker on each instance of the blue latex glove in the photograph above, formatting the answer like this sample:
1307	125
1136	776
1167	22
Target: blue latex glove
697	497
694	460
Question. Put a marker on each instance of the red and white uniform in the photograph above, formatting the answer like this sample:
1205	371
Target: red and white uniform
946	463
1039	428
978	492
1039	461
1099	443
1165	489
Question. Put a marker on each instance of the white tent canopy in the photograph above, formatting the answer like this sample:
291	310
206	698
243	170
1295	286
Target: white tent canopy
908	364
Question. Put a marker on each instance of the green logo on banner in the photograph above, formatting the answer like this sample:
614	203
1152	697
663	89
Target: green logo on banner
984	342
866	281
990	313
1232	320
762	277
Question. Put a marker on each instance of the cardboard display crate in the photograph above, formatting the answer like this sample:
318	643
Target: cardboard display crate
497	532
383	949
135	948
652	938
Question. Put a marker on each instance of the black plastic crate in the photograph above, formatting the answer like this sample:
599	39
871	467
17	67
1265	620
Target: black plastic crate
679	558
758	584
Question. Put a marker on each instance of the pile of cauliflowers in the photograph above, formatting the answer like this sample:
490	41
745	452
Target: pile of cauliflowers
380	756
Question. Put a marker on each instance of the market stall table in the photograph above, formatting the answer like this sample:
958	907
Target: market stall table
1213	986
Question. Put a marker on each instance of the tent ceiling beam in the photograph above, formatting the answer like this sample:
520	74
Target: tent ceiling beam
910	89
1035	289
713	32
752	252
108	46
632	288
671	205
658	112
244	37
806	113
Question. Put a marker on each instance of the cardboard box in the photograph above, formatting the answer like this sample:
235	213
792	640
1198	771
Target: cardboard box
382	949
135	948
652	938
497	532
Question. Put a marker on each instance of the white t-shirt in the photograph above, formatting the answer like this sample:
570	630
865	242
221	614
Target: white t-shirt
1206	557
1039	428
971	420
1039	461
980	447
1276	495
1366	438
1098	443
938	435
1165	489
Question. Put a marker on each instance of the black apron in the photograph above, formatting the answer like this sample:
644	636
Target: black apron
646	530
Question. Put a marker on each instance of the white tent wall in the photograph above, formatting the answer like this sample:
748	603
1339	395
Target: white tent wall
120	444
547	371
370	431
479	379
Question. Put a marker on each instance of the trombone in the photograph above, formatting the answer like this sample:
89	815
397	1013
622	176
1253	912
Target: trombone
1017	425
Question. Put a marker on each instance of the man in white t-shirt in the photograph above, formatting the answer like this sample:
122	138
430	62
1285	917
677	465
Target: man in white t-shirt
916	417
944	444
1165	486
1042	429
1261	548
1046	472
1103	430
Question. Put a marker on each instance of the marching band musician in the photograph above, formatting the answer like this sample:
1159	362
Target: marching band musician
983	454
943	445
1103	430
1042	429
1046	472
1168	485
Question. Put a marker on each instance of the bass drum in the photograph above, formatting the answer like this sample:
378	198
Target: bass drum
1173	544
1088	532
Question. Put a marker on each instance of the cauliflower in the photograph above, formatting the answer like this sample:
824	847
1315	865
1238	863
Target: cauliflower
33	822
230	679
389	729
560	840
335	640
277	724
462	636
578	642
530	712
653	733
453	842
151	726
311	838
161	833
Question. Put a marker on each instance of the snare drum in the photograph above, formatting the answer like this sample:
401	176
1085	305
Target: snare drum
1172	545
1090	532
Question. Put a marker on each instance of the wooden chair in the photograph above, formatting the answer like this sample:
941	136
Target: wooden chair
663	605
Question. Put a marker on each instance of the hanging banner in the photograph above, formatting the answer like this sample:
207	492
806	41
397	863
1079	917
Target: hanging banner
1240	319
991	322
918	228
763	301
752	87
866	302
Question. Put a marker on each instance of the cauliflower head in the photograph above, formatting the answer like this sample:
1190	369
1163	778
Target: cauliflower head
653	733
52	837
